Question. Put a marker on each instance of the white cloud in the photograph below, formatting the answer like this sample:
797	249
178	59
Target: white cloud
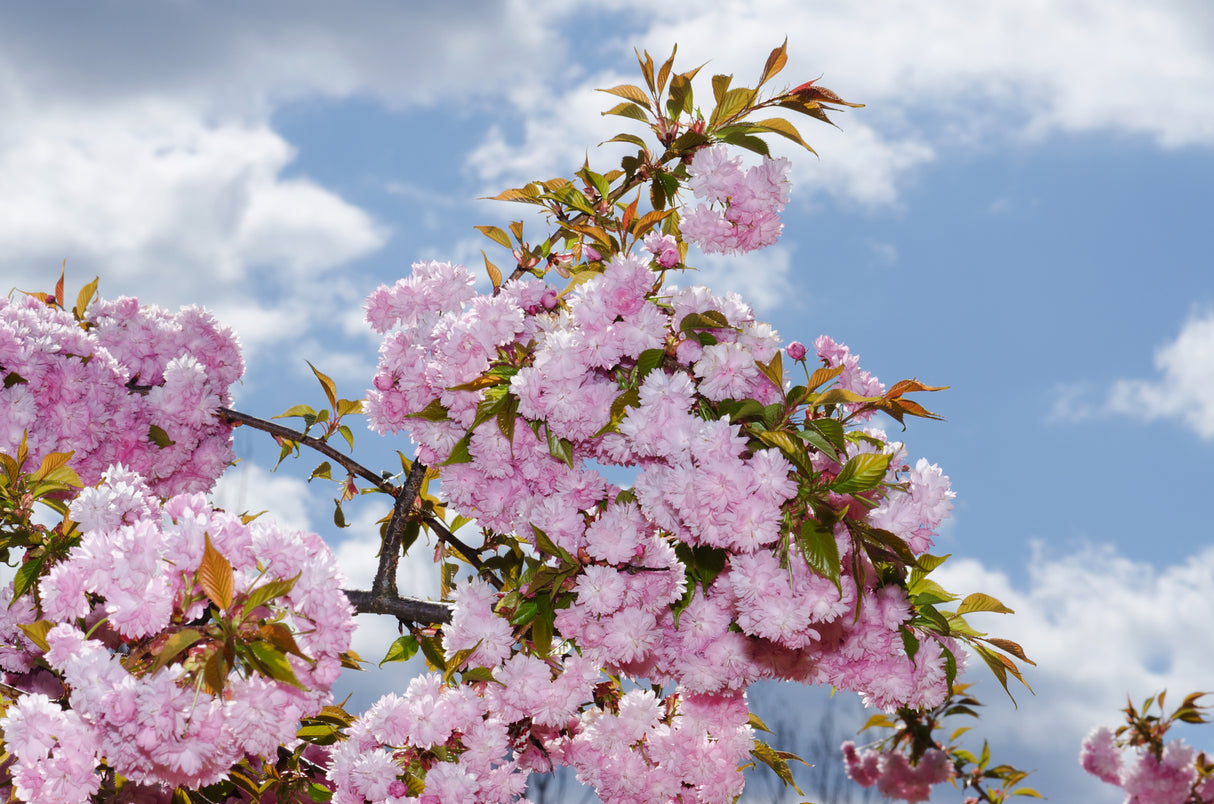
166	206
1046	65
1185	389
249	488
762	278
934	77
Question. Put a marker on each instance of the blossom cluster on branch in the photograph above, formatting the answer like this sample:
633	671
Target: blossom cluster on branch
118	382
666	514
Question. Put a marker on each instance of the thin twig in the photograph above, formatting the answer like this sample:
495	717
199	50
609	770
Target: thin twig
404	497
349	464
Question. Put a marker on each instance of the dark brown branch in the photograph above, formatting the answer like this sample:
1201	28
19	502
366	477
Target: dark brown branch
406	609
349	464
404	498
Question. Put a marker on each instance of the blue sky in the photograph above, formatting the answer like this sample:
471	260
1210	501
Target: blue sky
1021	212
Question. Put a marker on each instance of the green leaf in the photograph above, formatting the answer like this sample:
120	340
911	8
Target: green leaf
821	552
879	720
681	97
268	591
272	662
432	649
324	470
980	602
460	453
732	103
756	722
159	437
862	473
720	85
304	411
560	448
709	319
649	360
748	142
27	575
774	760
174	645
328	385
433	412
215	575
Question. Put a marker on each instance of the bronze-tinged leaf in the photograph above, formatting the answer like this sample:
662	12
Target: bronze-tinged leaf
664	70
36	632
775	63
630	92
59	285
778	125
839	396
215	575
630	138
1008	646
646	68
281	637
215	672
630	214
496	234
982	602
909	386
50	463
529	195
495	273
810	92
84	297
630	110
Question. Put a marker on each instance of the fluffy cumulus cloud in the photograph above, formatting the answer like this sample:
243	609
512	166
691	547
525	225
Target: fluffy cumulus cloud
1100	627
141	146
935	77
1184	388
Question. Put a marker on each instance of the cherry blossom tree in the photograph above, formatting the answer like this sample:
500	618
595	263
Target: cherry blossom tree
156	647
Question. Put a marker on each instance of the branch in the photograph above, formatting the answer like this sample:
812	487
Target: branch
352	466
406	609
403	497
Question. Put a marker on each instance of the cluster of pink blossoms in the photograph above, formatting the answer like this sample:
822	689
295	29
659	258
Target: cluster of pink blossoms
894	775
131	385
562	369
743	207
1146	778
135	579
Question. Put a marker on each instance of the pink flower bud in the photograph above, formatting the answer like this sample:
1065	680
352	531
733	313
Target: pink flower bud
796	350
